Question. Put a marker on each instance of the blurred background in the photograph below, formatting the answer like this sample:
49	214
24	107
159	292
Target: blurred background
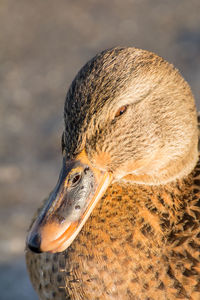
42	46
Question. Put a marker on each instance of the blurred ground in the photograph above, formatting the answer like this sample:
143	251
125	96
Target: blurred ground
42	46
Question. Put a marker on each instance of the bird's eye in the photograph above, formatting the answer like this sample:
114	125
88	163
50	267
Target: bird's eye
121	110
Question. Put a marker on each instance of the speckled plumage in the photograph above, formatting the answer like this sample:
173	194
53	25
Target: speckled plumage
142	241
156	256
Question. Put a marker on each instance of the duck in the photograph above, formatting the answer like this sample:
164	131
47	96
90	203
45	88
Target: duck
123	221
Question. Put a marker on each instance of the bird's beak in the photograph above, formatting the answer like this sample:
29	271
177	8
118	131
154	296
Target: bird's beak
79	188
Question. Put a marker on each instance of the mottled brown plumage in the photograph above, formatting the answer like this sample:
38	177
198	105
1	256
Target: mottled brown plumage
142	240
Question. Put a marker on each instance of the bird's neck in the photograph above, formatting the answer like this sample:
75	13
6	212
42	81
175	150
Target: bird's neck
143	234
144	216
161	169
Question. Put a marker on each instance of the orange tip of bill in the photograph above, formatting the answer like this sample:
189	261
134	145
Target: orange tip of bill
56	237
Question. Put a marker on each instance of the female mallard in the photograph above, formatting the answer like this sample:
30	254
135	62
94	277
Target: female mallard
129	155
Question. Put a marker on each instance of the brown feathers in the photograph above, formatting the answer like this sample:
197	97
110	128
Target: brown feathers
142	240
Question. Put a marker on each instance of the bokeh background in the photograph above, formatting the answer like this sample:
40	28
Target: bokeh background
42	46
